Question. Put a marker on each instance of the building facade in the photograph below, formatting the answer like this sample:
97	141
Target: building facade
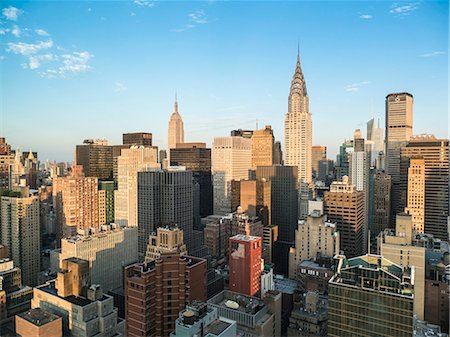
416	194
96	158
262	147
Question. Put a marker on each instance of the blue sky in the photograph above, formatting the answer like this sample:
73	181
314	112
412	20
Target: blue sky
75	70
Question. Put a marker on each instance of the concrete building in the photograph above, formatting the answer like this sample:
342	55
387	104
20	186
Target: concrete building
200	320
254	317
253	196
108	251
231	159
156	291
381	203
246	264
318	153
216	239
176	129
375	135
242	133
164	197
399	129
105	202
196	157
344	206
298	136
85	310
38	323
262	147
416	194
75	199
342	162
284	209
96	158
168	239
270	238
277	154
315	237
20	232
5	159
309	317
129	163
314	274
370	295
435	153
137	138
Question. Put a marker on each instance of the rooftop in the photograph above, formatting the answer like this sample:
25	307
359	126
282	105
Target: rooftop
38	316
217	327
242	237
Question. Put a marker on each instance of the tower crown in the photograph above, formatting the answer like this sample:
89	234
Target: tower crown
298	84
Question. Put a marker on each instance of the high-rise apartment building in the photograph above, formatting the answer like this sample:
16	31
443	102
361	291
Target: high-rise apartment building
435	153
370	296
399	129
105	202
75	199
129	163
416	194
107	251
262	147
298	136
400	248
167	239
253	196
176	129
315	237
196	157
284	209
381	203
231	159
137	138
5	159
344	206
20	232
96	157
318	153
164	198
156	291
245	264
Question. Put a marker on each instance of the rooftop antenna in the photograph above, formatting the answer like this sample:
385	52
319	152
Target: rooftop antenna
256	123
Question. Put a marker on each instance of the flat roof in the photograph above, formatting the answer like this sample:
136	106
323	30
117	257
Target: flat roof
38	316
217	327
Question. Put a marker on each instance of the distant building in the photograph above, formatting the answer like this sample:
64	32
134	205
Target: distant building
176	129
309	317
344	206
137	138
342	162
270	238
375	135
200	320
105	202
277	154
262	147
231	159
370	295
107	251
318	153
381	203
253	196
416	194
254	316
38	323
242	133
156	291
20	232
5	159
96	157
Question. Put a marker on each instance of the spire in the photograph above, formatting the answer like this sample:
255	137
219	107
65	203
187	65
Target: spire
298	84
175	106
298	51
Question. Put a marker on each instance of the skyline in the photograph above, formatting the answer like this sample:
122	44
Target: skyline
235	65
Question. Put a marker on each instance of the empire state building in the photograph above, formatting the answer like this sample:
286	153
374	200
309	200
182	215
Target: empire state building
298	135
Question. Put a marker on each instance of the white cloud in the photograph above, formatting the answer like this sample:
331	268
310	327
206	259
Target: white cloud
144	3
435	53
184	28
354	87
403	9
75	63
16	31
3	31
198	17
11	13
41	32
35	61
119	87
365	16
29	48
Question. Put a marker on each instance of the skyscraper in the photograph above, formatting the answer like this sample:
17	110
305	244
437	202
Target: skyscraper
96	157
231	159
262	147
165	197
318	153
20	232
277	154
137	138
399	124
5	158
196	157
375	135
435	153
298	136
176	129
130	162
416	194
344	206
381	203
245	264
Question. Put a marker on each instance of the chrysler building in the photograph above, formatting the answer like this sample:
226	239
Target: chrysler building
298	136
